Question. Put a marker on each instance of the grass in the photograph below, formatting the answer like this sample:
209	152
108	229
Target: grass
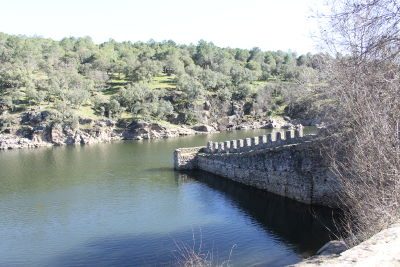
163	81
112	90
194	256
86	111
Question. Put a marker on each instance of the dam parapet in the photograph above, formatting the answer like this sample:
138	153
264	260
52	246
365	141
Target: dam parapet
267	141
288	164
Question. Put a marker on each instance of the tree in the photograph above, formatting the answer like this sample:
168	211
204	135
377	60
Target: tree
240	75
364	114
134	96
242	55
255	67
224	94
164	109
146	71
34	96
241	92
192	88
173	62
209	79
114	108
256	55
205	53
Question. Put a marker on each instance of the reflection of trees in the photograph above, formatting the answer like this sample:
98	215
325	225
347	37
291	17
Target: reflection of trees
300	225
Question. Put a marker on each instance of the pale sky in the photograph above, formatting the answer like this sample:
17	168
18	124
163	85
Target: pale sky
268	24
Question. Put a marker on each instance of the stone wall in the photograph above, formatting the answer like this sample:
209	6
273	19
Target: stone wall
289	165
185	158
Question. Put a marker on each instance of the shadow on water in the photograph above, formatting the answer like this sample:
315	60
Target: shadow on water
136	250
302	228
307	228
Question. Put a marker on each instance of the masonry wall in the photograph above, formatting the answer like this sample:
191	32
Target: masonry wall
185	158
293	169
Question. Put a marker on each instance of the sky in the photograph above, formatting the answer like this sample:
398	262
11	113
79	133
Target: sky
267	24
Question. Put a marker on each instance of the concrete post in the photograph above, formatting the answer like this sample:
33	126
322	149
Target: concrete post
209	146
278	137
254	141
240	143
289	135
233	145
227	145
247	142
262	140
298	133
215	150
270	138
221	147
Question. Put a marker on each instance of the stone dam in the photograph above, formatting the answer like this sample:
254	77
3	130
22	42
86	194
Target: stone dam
287	164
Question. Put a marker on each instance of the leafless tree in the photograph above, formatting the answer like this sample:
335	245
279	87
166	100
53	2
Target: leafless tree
364	111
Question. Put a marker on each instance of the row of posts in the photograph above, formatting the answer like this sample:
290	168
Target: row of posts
258	142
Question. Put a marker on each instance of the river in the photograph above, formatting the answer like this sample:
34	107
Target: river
122	204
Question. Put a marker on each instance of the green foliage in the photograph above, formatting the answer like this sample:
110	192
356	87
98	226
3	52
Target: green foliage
241	92
75	74
6	121
224	94
192	88
34	96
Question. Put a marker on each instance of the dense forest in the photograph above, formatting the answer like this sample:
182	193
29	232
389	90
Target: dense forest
154	81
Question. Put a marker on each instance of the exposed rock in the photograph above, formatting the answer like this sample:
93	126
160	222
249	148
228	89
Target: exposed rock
204	128
138	130
207	105
286	118
56	135
8	141
273	123
382	249
3	107
307	122
288	126
33	117
39	136
332	247
249	125
37	128
236	109
85	121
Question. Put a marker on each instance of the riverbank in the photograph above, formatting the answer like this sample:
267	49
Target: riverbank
382	249
36	132
94	132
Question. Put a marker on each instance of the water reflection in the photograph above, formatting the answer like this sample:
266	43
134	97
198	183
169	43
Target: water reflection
123	205
295	223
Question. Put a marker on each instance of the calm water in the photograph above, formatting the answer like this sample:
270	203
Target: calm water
122	204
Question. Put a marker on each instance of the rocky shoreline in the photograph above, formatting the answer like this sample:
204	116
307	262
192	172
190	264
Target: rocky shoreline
57	135
36	132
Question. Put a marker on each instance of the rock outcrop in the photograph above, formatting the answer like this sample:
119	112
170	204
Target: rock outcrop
36	133
204	128
36	128
139	130
383	249
8	141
